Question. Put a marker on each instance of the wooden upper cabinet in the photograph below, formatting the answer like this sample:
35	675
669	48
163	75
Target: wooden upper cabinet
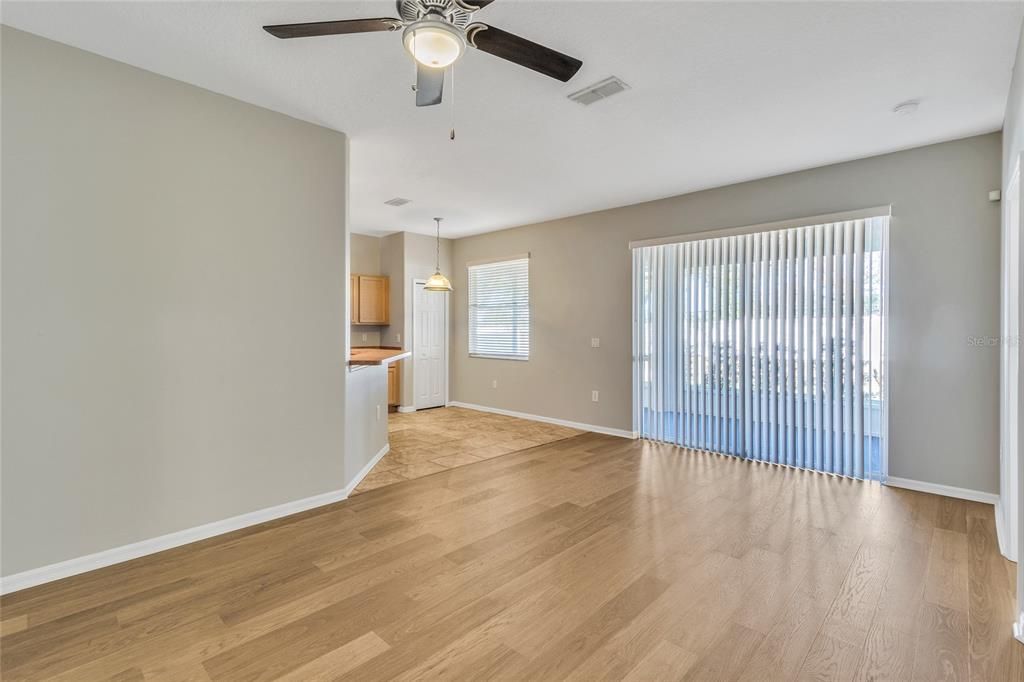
370	300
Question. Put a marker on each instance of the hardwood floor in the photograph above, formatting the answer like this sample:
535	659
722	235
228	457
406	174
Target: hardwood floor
429	441
589	558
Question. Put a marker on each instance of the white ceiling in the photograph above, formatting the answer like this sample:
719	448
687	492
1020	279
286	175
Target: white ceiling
721	92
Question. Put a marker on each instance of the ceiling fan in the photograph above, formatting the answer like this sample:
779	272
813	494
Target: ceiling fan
436	33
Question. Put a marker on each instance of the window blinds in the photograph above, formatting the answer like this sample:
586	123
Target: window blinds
499	309
768	346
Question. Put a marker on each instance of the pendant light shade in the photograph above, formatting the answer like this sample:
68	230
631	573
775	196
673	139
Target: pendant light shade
437	281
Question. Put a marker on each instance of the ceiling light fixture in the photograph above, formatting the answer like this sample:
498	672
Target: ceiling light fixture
437	281
434	43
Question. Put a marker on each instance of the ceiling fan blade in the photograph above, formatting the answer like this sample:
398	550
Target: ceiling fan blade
331	28
429	85
476	4
523	52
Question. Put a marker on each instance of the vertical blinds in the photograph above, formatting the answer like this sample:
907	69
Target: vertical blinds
499	309
768	346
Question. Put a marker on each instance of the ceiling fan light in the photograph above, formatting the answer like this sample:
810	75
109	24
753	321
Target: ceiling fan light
438	282
434	43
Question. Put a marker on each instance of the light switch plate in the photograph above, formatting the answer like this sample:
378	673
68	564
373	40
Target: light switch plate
595	396
595	342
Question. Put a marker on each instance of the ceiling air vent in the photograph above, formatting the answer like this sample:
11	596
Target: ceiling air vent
600	90
398	201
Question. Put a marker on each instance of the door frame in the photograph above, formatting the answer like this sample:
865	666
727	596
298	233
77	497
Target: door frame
1008	505
419	282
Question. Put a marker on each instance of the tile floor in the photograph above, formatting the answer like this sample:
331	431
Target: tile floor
426	442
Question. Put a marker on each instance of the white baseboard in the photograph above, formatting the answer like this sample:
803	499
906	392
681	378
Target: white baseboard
117	555
1007	546
621	433
406	409
366	469
946	490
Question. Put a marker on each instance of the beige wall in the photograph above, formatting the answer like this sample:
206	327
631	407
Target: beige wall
174	292
392	264
366	416
364	259
944	292
364	254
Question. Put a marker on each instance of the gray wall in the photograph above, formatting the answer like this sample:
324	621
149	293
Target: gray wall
364	259
174	291
1013	147
944	291
392	264
366	416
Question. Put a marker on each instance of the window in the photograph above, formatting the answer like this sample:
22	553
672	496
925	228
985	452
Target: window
499	309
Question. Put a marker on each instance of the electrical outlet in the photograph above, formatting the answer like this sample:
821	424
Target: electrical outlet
595	396
494	383
378	412
365	337
398	338
595	342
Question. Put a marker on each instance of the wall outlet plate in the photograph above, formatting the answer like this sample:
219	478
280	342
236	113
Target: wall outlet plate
595	342
595	396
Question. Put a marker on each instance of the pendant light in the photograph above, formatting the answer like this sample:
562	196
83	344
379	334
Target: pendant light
437	281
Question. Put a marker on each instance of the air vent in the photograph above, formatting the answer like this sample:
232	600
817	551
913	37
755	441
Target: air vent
598	91
398	201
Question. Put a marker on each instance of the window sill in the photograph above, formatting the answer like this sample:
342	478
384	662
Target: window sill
499	357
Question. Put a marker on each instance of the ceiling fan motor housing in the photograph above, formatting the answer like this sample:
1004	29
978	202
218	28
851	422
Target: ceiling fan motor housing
455	12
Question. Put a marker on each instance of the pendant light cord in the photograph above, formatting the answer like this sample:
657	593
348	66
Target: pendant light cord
437	246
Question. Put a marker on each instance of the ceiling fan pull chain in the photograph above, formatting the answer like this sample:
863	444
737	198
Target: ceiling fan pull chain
453	103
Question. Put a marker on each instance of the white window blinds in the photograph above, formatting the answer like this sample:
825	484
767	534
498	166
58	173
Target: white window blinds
769	346
499	309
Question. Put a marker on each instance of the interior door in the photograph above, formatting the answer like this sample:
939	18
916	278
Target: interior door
430	342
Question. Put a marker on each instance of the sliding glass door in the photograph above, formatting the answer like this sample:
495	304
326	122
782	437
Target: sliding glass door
768	346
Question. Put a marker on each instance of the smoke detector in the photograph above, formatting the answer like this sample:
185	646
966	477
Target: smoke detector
398	201
612	85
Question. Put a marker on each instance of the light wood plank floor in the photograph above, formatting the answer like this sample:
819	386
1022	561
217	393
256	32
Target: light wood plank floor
429	441
589	558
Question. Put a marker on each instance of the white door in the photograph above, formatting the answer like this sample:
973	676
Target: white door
430	347
1010	360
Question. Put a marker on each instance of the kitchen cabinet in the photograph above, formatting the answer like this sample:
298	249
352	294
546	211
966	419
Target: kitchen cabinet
370	300
394	379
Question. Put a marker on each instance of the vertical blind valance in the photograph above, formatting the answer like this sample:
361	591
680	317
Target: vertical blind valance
769	346
499	309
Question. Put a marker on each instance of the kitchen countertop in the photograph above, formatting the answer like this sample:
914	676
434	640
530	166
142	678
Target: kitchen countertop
376	356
